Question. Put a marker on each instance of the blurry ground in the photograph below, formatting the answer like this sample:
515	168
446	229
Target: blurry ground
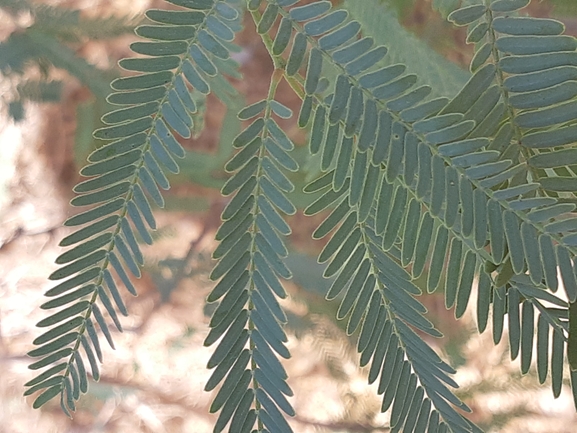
153	381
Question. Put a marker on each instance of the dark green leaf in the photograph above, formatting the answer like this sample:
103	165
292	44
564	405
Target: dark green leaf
46	396
268	18
467	15
297	54
325	24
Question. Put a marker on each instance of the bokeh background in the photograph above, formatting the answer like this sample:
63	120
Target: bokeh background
153	381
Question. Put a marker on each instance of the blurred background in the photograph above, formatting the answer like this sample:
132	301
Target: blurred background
57	59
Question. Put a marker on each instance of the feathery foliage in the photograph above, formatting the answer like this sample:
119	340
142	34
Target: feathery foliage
45	43
473	190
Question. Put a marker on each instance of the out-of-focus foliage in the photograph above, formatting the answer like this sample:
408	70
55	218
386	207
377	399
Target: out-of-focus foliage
444	77
48	40
564	7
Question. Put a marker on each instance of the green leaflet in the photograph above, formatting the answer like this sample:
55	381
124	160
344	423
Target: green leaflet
437	123
395	154
559	183
380	341
310	11
195	78
451	133
105	179
157	49
396	88
410	157
353	51
496	231
212	45
514	321
166	33
537	62
480	210
143	81
550	138
395	218
64	314
366	61
453	268
467	15
84	249
467	208
489	169
404	393
203	61
340	99
557	355
534	81
268	18
340	36
305	112
479	111
282	37
46	396
476	85
535	44
515	191
514	241
384	132
116	148
41	378
89	231
78	265
477	158
542	348
326	23
355	112
297	54
480	57
527	26
466	283
546	97
423	184
530	203
508	5
131	113
372	327
548	261
410	99
483	301
477	33
253	4
423	110
381	76
174	17
437	259
571	347
549	212
219	28
438	186
194	4
124	130
281	111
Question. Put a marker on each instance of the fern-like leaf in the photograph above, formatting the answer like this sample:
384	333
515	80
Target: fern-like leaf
452	148
125	175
